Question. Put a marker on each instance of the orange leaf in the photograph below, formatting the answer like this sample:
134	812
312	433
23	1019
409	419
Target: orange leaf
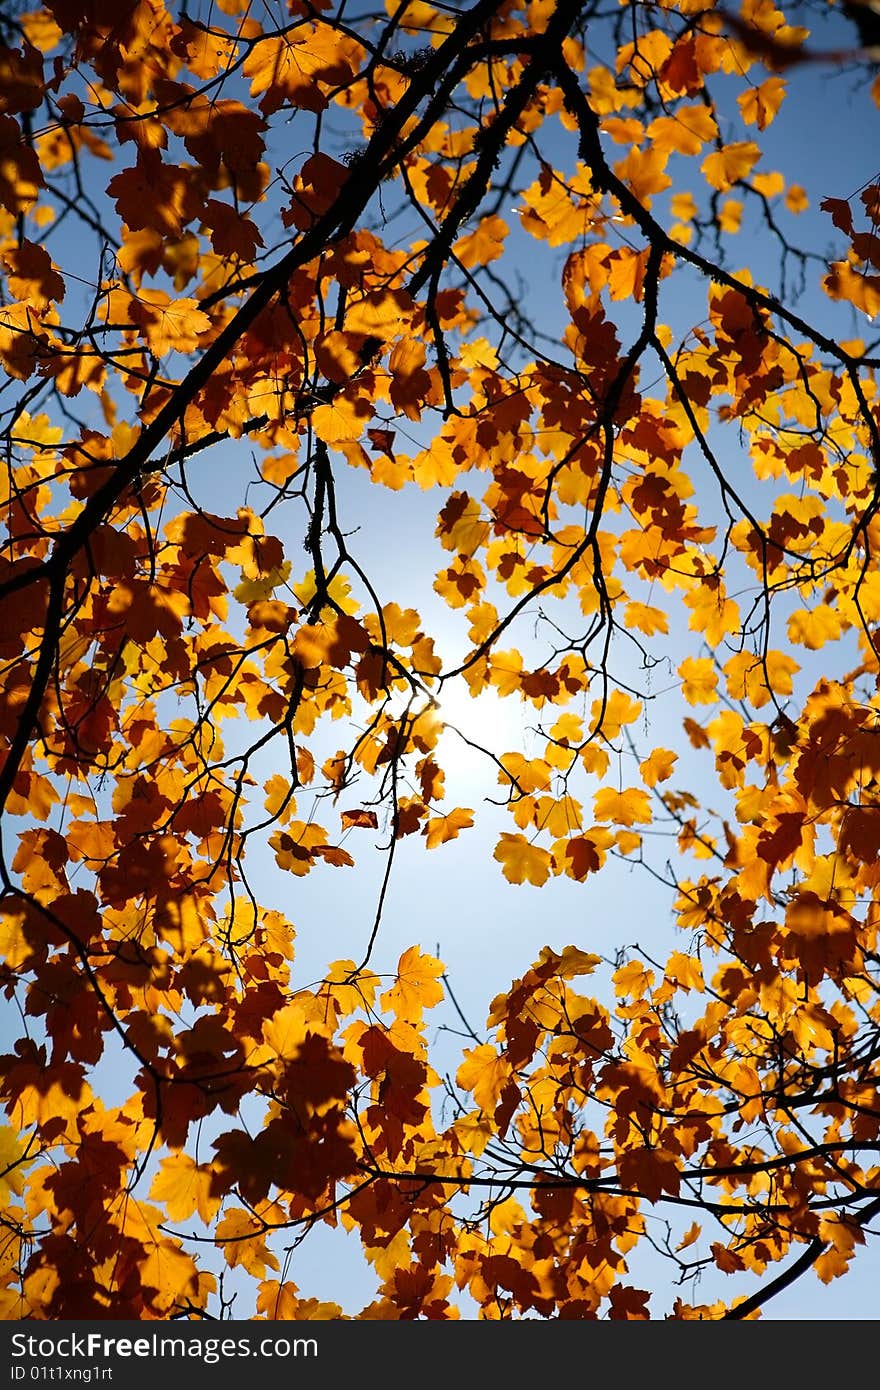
521	861
416	987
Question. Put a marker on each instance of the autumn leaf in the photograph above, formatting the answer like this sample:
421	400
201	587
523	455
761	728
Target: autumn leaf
154	194
658	767
168	325
359	818
416	987
760	105
440	829
185	1187
521	861
21	177
484	1073
342	421
699	680
650	1171
630	807
241	1238
14	1161
731	163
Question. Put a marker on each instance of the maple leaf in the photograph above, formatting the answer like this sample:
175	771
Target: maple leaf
840	213
658	767
440	829
699	680
630	807
296	68
231	233
154	195
342	421
168	325
361	818
760	105
416	987
279	1302
731	163
185	1187
21	177
242	1239
484	1073
14	1161
521	861
32	275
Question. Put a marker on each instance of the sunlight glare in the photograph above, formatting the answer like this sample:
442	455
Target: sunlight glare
481	725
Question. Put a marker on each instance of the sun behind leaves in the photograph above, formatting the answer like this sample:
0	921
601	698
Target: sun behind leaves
485	255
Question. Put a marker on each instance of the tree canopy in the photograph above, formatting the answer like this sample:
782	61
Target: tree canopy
531	262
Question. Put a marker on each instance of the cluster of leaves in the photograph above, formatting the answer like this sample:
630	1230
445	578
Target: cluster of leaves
175	675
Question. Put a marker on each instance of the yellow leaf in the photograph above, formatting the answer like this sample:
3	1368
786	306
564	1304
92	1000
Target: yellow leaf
12	1163
341	421
613	713
796	199
385	1259
559	816
286	1031
243	1242
812	628
573	962
658	767
683	206
506	671
627	841
171	1272
730	216
568	728
278	790
417	986
646	619
699	680
339	590
527	774
473	1132
630	807
712	613
184	1186
484	1073
691	1234
168	325
842	1236
686	132
557	210
760	105
402	625
263	585
461	526
484	244
15	948
279	1302
751	678
633	980
351	988
440	829
521	861
770	184
729	164
862	290
644	172
685	971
